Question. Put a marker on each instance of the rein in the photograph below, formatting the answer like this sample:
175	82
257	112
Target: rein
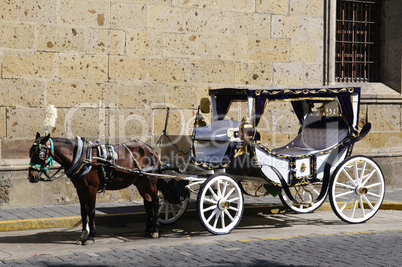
82	162
52	178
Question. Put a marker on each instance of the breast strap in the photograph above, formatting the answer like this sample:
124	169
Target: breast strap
82	162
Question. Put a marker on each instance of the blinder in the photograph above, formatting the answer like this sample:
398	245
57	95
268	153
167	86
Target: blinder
46	153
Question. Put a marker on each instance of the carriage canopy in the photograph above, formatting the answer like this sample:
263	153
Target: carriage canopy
347	98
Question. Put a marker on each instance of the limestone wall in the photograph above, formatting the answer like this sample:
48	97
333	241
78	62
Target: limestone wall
112	67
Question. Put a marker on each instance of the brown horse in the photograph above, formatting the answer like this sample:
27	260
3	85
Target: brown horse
134	156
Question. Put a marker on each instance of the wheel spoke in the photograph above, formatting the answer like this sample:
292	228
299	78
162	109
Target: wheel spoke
368	177
368	202
172	209
362	172
224	187
374	185
209	208
374	195
223	220
356	172
229	215
344	194
212	201
166	211
362	206
347	202
348	176
233	199
213	193
345	186
233	208
217	215
218	189
212	215
161	207
354	208
229	193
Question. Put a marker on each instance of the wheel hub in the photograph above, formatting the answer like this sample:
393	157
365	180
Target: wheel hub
361	190
223	204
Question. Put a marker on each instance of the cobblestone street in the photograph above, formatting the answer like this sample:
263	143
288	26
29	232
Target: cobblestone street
317	239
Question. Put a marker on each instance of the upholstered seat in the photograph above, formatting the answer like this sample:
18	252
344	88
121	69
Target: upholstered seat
317	134
216	131
212	141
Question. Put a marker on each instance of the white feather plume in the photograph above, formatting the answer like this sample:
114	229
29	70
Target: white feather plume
50	118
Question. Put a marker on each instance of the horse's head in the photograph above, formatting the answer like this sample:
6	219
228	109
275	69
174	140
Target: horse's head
41	154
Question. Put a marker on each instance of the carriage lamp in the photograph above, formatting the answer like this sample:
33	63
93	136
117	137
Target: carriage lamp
200	121
246	129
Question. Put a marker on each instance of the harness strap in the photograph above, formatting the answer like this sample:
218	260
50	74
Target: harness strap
108	156
51	178
137	166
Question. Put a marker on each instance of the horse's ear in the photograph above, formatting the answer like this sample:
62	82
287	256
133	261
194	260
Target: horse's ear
46	138
37	135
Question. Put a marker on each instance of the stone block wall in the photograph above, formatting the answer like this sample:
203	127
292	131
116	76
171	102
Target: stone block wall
112	67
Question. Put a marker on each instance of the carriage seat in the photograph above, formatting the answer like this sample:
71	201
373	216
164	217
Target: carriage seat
317	134
216	131
212	141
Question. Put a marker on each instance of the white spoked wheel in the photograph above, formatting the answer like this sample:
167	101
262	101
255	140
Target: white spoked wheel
169	212
220	204
305	195
357	189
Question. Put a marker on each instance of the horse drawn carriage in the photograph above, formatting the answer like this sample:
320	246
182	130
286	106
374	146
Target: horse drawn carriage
229	154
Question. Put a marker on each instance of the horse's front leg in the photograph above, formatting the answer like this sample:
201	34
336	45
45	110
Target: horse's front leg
91	214
84	216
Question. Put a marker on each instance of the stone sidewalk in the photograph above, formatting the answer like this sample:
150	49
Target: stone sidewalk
55	216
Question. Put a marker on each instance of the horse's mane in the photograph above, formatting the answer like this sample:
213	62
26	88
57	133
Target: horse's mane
62	140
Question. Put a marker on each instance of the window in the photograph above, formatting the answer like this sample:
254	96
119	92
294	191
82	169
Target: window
357	40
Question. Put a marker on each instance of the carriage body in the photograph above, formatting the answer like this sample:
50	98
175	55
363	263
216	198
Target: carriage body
230	152
323	130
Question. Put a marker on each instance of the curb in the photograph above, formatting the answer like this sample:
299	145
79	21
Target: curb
119	219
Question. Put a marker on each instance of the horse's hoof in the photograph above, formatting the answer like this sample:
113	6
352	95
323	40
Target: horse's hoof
155	235
80	242
89	242
146	234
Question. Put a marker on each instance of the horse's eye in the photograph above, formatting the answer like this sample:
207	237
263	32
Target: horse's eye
42	155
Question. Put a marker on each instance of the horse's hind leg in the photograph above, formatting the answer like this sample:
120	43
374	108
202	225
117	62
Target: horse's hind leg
149	193
152	224
149	220
155	204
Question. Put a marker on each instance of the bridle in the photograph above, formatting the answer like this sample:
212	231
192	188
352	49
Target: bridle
46	154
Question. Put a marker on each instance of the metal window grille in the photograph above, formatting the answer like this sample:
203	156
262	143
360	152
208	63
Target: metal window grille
357	40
